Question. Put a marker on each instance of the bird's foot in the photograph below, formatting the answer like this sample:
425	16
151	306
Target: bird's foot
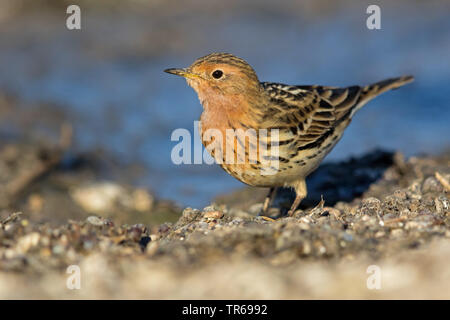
268	218
270	213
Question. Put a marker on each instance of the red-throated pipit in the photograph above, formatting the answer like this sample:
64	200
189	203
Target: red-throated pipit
309	120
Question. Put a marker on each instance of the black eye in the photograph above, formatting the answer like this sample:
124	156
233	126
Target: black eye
217	74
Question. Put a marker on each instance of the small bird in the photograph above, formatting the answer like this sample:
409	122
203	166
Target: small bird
309	120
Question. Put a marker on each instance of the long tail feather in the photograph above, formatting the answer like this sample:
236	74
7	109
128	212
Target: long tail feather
371	91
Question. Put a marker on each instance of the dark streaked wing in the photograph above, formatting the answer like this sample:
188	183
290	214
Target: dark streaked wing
309	112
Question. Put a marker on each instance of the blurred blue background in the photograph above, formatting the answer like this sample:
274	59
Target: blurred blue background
107	78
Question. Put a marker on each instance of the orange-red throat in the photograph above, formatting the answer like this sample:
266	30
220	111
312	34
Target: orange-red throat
228	89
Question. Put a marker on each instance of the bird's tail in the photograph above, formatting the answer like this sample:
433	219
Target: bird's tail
371	91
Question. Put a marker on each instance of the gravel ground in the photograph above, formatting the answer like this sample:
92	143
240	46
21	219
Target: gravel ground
396	217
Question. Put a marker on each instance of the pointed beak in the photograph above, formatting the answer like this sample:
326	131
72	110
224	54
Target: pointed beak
183	73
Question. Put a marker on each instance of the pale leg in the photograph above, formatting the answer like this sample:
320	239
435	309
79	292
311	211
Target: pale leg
268	200
301	192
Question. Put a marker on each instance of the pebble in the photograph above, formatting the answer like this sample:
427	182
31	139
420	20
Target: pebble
27	242
371	206
431	185
445	202
380	234
95	221
335	212
144	241
213	215
163	228
304	226
209	209
98	197
154	237
203	225
396	233
255	208
400	194
412	225
414	205
134	233
143	201
190	213
237	221
306	248
58	249
347	237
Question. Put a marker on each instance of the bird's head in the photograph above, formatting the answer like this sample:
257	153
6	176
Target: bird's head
220	76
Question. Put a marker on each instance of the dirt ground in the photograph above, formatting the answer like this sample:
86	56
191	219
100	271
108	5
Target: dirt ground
378	211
